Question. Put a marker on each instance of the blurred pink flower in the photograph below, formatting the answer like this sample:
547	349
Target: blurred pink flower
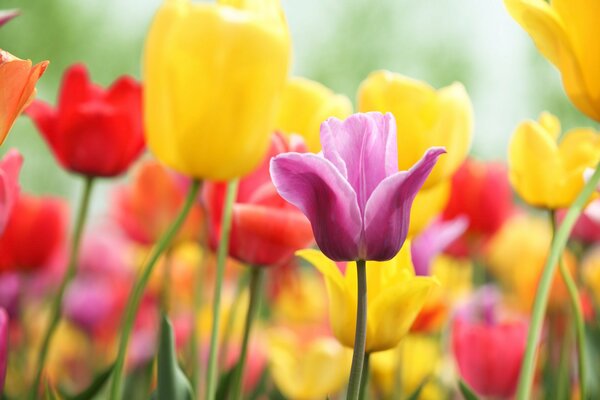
10	166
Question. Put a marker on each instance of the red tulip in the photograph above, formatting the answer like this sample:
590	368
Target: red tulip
266	230
488	352
481	192
148	206
10	166
93	131
35	233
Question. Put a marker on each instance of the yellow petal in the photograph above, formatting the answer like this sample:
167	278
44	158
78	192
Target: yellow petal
428	204
424	117
305	104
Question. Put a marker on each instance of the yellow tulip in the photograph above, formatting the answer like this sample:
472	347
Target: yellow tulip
425	117
566	32
307	368
516	256
395	297
418	357
214	74
305	104
428	204
546	173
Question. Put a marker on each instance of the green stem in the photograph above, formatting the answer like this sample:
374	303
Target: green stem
198	283
541	299
364	382
67	278
211	376
578	316
360	337
256	282
140	286
228	329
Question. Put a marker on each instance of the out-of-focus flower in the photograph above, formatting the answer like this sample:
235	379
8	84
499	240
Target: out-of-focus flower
93	131
481	192
34	233
355	198
147	206
5	16
590	272
587	227
11	291
3	347
256	360
302	302
516	256
17	80
69	360
546	173
395	297
487	349
305	104
266	230
10	166
214	74
425	118
428	205
415	359
307	368
565	32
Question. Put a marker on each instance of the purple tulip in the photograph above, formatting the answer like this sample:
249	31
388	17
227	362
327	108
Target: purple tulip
356	200
3	347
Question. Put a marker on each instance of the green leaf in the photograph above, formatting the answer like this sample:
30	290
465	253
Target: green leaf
50	393
225	383
93	389
172	382
417	393
466	391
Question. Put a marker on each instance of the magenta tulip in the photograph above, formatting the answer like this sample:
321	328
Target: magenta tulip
3	347
356	200
10	166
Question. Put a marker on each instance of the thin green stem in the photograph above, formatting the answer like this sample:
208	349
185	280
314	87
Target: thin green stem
55	313
578	316
364	382
140	286
541	299
256	283
360	337
228	329
211	376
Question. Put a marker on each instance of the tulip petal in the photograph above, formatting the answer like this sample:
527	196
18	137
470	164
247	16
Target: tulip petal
3	346
363	148
317	188
10	166
434	240
387	212
393	312
7	15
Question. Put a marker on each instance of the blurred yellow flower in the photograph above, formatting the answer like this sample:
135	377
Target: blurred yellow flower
425	117
590	272
302	302
395	297
566	32
428	204
307	368
516	256
305	104
214	74
546	173
418	357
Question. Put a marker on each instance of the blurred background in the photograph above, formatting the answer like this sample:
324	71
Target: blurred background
335	42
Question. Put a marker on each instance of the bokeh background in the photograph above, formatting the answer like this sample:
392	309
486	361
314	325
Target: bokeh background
335	42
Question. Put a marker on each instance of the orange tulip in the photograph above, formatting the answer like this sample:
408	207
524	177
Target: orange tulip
17	80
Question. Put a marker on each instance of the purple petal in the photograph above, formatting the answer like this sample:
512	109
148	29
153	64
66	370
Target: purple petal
7	15
319	190
387	212
363	148
3	347
434	240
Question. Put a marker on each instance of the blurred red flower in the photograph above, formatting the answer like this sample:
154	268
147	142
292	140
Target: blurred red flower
481	192
93	131
266	230
35	233
148	205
